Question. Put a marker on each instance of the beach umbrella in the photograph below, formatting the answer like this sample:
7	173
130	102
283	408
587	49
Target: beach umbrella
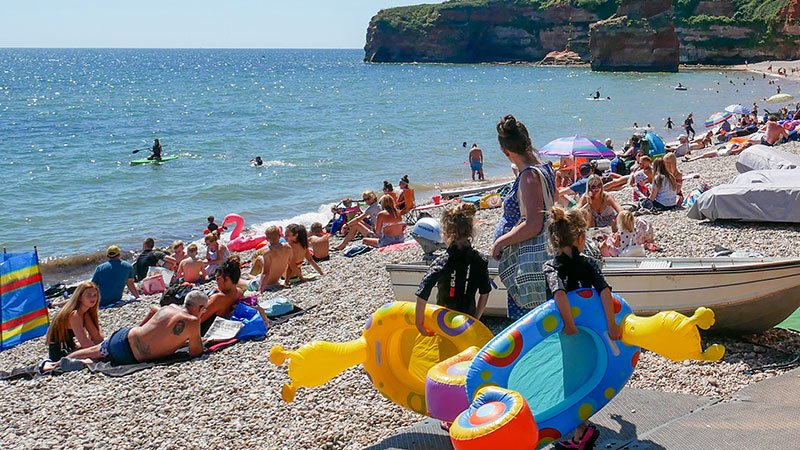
780	98
738	109
717	119
577	146
656	143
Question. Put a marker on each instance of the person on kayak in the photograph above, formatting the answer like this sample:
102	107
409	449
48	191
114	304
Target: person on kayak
156	150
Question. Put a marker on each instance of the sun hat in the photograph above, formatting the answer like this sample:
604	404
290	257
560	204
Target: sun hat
113	251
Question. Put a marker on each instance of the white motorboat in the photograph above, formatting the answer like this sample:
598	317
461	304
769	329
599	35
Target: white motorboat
748	295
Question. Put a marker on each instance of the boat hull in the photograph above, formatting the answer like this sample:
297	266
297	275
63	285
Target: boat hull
747	295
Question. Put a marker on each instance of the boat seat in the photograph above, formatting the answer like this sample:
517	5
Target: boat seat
655	264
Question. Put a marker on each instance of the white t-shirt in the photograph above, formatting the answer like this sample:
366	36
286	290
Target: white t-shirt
372	212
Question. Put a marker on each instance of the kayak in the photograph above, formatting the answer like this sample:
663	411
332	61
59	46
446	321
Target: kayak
149	161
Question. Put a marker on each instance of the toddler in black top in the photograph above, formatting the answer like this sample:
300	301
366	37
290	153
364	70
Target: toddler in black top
571	270
461	272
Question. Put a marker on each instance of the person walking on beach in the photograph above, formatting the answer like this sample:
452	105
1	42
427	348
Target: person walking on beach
669	123
519	237
163	331
568	271
688	126
476	162
156	150
112	276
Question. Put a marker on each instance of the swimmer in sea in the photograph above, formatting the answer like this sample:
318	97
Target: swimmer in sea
258	161
669	123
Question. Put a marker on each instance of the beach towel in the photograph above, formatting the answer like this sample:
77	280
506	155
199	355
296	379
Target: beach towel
357	250
400	246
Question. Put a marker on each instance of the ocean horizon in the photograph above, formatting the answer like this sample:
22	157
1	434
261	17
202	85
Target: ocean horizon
327	125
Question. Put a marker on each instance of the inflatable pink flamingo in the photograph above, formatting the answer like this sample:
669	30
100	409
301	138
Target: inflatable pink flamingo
239	243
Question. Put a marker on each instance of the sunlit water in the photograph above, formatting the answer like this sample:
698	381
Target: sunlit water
326	124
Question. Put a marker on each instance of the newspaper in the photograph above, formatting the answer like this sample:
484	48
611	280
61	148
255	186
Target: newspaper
223	329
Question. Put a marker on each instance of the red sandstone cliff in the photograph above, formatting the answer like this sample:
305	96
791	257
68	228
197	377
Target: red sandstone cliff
640	37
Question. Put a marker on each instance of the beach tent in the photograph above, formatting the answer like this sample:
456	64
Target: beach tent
756	196
656	143
23	311
762	157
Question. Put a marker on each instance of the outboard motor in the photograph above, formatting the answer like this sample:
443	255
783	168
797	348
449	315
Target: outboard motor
427	234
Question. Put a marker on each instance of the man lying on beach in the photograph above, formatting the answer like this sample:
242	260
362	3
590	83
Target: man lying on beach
319	242
772	134
365	222
224	302
163	331
191	269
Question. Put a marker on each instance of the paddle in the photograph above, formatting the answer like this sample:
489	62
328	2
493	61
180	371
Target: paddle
139	150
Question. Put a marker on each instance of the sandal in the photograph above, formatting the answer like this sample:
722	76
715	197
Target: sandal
586	442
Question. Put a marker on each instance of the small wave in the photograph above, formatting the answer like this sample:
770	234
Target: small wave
323	215
73	268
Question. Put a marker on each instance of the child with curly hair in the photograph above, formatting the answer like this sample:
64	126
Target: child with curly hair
568	271
460	273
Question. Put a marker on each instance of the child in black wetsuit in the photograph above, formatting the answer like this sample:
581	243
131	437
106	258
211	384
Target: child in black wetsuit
571	270
461	272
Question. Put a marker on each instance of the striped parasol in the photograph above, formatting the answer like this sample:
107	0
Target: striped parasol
577	146
717	118
738	109
780	98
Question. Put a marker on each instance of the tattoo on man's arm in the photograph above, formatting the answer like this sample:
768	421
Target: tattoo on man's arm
178	328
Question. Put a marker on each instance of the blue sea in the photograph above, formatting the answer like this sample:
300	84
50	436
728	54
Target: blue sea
326	124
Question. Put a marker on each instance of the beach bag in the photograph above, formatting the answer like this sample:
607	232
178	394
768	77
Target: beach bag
520	266
254	325
175	294
153	285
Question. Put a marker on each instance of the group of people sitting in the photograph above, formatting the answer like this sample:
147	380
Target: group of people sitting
380	223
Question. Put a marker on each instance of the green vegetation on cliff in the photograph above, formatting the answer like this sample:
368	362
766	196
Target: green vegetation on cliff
754	13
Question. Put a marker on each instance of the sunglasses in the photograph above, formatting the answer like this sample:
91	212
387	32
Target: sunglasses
596	187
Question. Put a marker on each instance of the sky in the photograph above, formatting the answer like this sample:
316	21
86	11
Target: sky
189	24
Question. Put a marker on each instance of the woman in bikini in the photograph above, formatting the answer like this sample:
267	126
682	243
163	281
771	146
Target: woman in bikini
602	205
76	319
389	225
297	236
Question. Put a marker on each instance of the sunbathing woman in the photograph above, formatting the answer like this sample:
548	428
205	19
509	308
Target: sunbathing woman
672	166
297	236
601	204
663	192
389	225
701	142
405	201
216	253
76	319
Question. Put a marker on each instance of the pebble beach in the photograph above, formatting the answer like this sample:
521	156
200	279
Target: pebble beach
231	398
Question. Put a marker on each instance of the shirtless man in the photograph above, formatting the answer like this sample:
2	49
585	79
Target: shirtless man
274	261
476	161
224	302
773	132
191	269
163	331
319	243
